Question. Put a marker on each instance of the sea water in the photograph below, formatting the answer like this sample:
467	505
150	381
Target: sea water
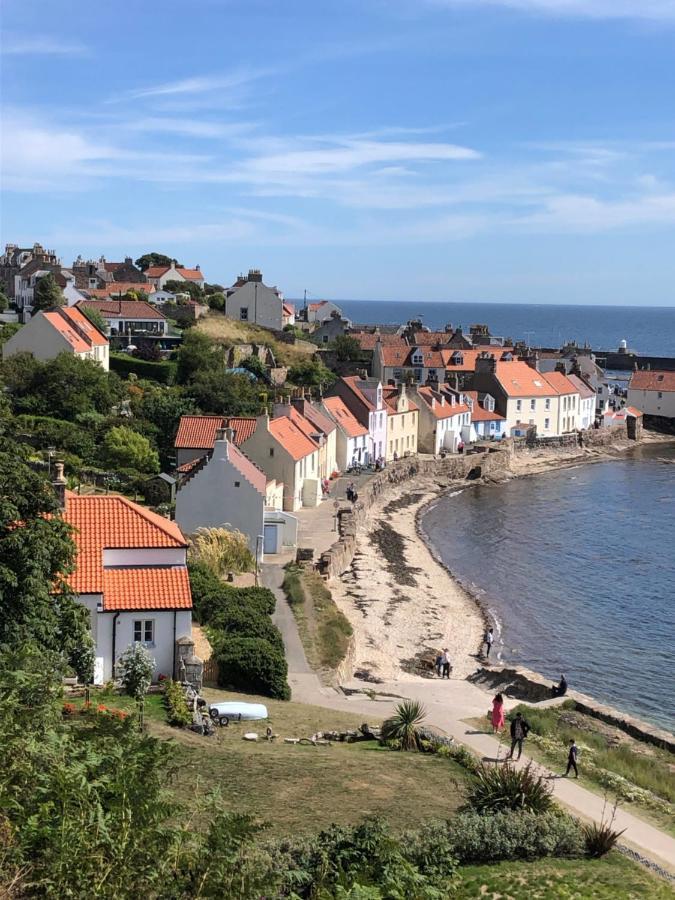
578	568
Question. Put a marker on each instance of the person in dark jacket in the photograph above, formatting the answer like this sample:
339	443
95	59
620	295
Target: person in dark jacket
560	689
572	759
519	731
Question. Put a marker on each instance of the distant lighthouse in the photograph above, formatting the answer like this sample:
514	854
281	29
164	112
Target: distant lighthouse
623	346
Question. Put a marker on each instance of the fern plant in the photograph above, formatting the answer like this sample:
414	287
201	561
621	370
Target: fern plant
505	787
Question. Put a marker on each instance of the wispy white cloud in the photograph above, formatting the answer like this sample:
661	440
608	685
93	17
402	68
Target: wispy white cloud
196	85
655	10
40	45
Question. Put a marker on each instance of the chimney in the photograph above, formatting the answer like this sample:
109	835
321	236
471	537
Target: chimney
59	484
486	364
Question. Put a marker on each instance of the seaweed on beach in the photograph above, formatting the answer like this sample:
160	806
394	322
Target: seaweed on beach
391	545
402	503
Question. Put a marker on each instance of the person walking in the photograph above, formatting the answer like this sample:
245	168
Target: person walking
439	664
498	716
572	757
445	660
519	730
489	641
350	492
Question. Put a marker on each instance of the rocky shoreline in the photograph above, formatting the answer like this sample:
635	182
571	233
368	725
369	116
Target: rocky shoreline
403	602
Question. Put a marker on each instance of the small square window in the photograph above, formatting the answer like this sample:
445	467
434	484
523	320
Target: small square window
243	314
271	451
237	484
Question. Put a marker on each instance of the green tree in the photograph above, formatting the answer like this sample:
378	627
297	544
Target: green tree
7	330
213	288
254	365
218	391
184	287
163	408
127	449
217	301
95	318
66	386
36	554
4	301
47	293
153	259
198	352
311	373
347	347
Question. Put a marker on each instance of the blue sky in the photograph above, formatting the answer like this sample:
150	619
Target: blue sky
514	150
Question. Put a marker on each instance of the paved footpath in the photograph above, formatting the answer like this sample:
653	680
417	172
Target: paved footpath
448	703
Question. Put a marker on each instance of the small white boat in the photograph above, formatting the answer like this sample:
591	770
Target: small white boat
236	711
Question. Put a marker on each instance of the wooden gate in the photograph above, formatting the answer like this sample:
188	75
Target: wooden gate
210	676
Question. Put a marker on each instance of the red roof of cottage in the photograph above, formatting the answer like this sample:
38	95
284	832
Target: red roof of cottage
440	409
190	274
123	309
113	522
517	379
652	380
343	417
479	413
294	441
367	340
561	383
390	396
76	328
247	468
199	432
119	289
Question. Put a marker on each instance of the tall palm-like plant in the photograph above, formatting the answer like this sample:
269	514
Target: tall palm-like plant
404	725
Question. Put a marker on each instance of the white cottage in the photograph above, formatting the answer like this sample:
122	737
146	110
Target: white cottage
131	574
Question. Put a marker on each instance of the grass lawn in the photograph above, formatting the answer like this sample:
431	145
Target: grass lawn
231	332
324	629
615	878
154	703
302	789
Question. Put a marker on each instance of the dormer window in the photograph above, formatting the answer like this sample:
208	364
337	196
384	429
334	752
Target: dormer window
418	358
458	359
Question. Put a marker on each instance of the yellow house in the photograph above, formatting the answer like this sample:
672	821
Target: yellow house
402	422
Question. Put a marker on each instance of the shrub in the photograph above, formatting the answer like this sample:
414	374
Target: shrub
136	665
245	621
600	837
125	365
254	665
292	585
211	596
476	838
222	550
505	787
404	725
177	711
460	755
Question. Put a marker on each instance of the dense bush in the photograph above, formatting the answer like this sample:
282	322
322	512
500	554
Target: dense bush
254	665
474	838
125	364
244	621
177	711
504	787
45	432
136	665
212	596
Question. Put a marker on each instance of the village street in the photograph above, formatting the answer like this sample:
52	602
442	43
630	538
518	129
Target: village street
449	703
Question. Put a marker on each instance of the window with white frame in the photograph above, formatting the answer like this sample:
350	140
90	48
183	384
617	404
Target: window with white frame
547	424
547	403
533	404
519	405
144	632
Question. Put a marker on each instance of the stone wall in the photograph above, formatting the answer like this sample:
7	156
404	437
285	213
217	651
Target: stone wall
338	557
531	687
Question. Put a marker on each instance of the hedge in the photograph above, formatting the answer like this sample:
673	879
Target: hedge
46	431
177	711
253	665
246	622
125	364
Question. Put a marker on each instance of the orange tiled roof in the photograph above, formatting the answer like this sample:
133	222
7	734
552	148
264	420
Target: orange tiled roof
294	441
517	379
250	471
190	274
76	328
199	432
652	380
119	288
439	409
561	383
367	340
390	396
479	413
113	522
632	411
343	417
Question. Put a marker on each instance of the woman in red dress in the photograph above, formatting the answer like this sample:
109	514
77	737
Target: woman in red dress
498	717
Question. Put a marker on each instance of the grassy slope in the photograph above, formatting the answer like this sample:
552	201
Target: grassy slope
298	788
611	878
230	332
324	630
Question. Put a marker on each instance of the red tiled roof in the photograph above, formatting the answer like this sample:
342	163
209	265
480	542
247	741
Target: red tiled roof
479	413
288	309
632	411
346	421
294	441
147	588
123	309
119	289
76	328
113	522
520	380
560	383
318	419
356	385
158	271
199	432
652	380
439	409
390	396
367	340
429	338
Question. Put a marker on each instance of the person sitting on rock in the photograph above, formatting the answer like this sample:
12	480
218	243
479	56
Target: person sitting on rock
560	689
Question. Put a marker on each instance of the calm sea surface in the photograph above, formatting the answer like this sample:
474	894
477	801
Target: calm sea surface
648	330
578	568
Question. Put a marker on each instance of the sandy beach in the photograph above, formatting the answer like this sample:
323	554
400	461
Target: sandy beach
401	601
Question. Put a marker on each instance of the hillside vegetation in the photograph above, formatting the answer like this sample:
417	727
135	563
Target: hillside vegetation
230	332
